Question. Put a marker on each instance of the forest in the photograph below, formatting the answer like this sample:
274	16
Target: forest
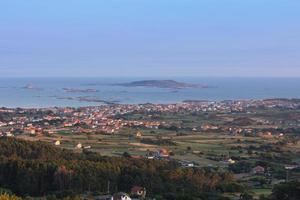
38	169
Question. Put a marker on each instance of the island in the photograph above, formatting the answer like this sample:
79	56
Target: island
169	84
79	90
30	87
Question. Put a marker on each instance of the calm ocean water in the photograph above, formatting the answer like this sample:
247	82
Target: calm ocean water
48	92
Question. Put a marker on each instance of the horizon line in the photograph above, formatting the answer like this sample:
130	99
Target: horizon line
177	76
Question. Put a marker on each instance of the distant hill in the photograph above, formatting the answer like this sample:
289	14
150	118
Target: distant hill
171	84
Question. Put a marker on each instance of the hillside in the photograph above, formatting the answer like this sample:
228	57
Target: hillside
39	169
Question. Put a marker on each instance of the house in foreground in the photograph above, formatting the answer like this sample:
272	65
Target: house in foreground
121	196
138	191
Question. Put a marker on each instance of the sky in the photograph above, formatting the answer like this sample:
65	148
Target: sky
245	38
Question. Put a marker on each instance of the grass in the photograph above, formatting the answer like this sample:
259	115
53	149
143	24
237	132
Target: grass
261	191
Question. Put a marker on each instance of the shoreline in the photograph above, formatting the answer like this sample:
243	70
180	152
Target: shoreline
188	101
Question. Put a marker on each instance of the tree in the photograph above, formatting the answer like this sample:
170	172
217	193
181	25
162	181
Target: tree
126	154
6	196
246	196
286	191
62	177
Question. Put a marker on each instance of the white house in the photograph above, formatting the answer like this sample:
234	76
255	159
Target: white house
121	196
79	146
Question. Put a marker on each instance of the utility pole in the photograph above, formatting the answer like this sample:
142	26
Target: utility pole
108	186
288	168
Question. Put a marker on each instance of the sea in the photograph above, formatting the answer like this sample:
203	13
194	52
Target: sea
50	92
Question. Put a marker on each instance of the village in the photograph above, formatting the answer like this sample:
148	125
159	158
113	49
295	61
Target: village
257	140
103	119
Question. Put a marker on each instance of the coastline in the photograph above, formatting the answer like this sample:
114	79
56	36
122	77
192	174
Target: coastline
267	101
12	94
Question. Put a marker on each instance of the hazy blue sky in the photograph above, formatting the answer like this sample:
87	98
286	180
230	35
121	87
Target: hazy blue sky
150	37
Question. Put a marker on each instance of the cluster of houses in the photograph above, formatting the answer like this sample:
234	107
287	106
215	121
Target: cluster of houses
103	118
84	120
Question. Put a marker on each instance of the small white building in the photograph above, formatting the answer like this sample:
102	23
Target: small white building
79	146
9	134
231	161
